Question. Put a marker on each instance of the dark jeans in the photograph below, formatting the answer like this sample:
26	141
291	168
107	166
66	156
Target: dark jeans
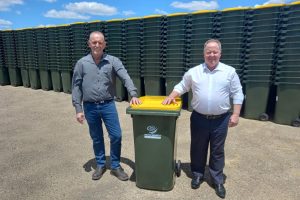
204	133
95	114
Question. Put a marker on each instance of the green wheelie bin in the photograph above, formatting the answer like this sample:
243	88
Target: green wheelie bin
154	127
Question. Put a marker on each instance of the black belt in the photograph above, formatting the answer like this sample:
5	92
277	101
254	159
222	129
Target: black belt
99	102
212	116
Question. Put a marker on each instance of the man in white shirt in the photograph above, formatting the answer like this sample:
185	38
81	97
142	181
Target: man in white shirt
213	84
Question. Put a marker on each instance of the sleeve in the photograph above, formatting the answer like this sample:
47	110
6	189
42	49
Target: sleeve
236	92
185	84
77	87
124	77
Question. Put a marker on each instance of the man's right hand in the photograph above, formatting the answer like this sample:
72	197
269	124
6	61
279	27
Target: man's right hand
80	117
169	100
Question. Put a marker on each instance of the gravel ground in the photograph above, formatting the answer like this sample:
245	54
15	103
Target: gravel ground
46	154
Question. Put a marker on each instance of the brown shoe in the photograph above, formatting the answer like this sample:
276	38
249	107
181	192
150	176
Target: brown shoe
119	173
99	171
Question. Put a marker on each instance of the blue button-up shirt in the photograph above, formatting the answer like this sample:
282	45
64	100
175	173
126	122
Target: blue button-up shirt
212	90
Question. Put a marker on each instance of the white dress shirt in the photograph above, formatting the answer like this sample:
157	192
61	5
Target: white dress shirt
212	90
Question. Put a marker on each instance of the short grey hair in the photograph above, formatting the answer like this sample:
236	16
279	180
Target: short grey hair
213	40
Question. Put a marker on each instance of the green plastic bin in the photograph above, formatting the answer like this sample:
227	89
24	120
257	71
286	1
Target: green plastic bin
66	79
34	76
154	127
287	110
46	81
4	76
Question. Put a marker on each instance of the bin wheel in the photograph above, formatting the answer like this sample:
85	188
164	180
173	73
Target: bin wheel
296	122
263	117
178	168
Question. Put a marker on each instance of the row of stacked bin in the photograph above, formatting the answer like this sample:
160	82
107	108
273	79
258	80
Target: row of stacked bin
261	43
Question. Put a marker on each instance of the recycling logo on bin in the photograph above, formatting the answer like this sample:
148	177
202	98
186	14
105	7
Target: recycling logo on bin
152	133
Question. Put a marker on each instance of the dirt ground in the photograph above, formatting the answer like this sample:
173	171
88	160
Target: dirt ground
46	154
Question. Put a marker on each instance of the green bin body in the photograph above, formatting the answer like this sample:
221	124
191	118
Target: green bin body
155	147
287	106
66	79
34	76
46	81
56	80
256	101
4	76
25	77
15	76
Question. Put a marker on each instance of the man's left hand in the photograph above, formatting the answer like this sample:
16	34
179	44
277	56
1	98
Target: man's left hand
234	120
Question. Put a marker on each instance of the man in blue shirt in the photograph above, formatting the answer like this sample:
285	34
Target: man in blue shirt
93	91
213	84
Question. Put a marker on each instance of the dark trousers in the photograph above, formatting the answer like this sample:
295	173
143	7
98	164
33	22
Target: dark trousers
212	133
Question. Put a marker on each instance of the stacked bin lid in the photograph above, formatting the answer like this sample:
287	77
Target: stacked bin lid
80	35
42	46
202	23
96	25
42	58
22	55
175	56
65	56
261	42
232	36
153	50
262	24
114	31
53	57
64	40
287	79
178	42
4	76
134	41
133	46
10	57
31	58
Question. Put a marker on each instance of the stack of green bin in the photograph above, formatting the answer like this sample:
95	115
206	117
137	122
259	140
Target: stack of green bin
202	23
134	33
96	25
42	58
178	31
31	58
287	80
4	76
175	64
65	57
21	53
10	57
53	58
155	141
115	37
80	35
153	50
259	57
231	35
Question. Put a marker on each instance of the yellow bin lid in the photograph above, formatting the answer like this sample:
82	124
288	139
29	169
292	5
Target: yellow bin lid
152	105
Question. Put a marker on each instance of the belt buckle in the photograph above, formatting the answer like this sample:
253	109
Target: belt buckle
210	117
99	102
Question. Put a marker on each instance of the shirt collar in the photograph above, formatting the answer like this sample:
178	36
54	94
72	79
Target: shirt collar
219	67
104	57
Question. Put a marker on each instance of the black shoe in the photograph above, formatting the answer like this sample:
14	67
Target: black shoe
119	173
196	182
220	190
99	171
